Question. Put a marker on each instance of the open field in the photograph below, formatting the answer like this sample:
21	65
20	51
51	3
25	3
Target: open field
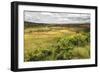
43	42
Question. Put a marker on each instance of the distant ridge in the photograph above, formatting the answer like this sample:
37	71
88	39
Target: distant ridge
54	23
31	24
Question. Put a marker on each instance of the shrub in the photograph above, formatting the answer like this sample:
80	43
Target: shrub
65	46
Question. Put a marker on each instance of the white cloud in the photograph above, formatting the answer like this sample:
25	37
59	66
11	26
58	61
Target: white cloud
56	17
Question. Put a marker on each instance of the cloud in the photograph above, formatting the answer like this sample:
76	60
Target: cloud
56	17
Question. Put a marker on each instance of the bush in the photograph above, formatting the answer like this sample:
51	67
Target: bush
39	54
65	46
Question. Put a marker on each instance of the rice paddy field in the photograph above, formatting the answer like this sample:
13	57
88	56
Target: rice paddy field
50	42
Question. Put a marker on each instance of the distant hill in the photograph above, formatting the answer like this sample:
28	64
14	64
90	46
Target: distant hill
33	24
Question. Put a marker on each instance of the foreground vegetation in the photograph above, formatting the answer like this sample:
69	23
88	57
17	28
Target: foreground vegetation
56	42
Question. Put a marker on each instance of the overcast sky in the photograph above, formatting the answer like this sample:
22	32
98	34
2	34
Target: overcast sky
56	17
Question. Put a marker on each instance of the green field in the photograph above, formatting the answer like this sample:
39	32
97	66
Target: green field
45	42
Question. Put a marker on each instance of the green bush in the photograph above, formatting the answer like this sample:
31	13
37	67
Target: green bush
66	45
